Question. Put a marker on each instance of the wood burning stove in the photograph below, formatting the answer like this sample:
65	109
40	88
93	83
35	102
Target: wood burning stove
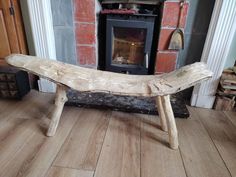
128	43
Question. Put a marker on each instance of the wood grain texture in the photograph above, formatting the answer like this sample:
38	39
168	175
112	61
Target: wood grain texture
231	116
200	156
5	46
33	105
10	26
24	148
156	158
223	134
170	119
48	151
161	113
67	172
19	27
120	155
12	34
90	80
60	99
24	154
82	148
134	145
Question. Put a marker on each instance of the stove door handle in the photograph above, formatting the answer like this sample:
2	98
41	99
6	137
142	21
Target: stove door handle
146	60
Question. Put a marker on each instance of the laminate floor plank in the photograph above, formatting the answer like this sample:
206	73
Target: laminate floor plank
15	141
223	134
231	116
157	159
82	148
46	154
67	172
95	143
199	154
23	155
33	106
120	156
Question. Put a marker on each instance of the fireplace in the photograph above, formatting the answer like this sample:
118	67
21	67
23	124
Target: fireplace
128	42
127	47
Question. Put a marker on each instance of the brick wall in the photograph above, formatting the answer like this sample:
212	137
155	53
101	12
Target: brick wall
85	25
85	22
166	59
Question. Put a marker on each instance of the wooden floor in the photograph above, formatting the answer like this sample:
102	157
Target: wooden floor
95	143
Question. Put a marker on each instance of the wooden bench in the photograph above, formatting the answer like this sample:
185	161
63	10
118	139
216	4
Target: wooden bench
90	80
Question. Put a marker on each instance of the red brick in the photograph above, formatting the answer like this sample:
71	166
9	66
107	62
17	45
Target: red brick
170	14
165	62
85	33
184	15
84	10
86	55
164	38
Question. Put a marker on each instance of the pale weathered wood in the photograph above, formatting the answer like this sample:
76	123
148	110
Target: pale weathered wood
67	172
161	114
48	151
60	100
170	119
156	159
200	156
223	134
84	79
82	148
89	80
120	154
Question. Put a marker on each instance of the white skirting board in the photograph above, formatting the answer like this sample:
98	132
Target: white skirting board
216	49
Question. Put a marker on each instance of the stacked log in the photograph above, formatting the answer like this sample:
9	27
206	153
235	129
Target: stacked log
226	94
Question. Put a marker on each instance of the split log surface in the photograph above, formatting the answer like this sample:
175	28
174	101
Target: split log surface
90	80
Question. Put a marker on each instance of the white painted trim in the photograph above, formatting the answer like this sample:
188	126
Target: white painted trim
218	42
41	23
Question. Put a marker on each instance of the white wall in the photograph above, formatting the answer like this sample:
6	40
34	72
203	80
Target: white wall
231	58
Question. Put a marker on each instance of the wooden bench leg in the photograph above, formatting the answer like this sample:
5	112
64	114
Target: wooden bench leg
172	130
161	113
60	100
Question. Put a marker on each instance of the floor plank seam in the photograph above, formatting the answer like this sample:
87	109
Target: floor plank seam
141	133
182	159
103	142
71	168
229	119
16	152
213	142
62	144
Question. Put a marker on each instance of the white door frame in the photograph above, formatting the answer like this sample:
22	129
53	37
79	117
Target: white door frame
219	38
42	35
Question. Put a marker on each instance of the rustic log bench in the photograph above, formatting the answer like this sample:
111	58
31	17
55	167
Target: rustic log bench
90	80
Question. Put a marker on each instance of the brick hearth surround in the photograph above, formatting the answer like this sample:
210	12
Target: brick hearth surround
85	31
